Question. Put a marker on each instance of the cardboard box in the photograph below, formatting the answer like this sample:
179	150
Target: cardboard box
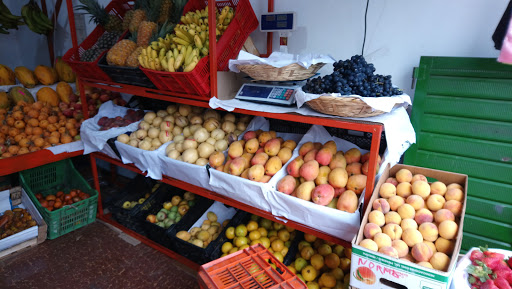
386	271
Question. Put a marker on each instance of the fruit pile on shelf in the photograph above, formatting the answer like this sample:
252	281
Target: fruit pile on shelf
15	221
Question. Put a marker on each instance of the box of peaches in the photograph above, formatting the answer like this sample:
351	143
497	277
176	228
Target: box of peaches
411	232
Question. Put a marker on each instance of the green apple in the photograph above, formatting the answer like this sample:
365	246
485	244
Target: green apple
161	216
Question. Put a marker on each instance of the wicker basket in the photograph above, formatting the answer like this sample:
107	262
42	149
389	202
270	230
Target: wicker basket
343	106
286	73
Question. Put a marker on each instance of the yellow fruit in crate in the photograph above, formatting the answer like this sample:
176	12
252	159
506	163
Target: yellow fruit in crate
265	242
279	256
233	250
283	235
48	95
277	245
263	231
226	247
240	241
7	76
25	76
251	226
254	235
241	230
64	90
254	242
243	247
230	233
284	251
309	273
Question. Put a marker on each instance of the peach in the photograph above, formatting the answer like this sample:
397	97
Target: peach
256	173
408	224
259	159
349	202
356	183
235	149
382	240
381	205
401	248
454	194
425	264
287	184
264	137
311	155
429	231
412	237
421	188
353	169
395	202
309	170
445	246
252	145
423	215
339	191
338	161
453	206
454	185
305	190
435	202
443	215
322	194
392	180
284	154
418	177
431	246
353	155
406	211
404	190
376	217
305	148
438	188
394	231
272	147
392	218
387	190
440	261
369	244
291	144
293	168
403	175
338	178
389	250
324	156
249	135
421	252
415	201
370	229
272	166
448	229
323	175
237	166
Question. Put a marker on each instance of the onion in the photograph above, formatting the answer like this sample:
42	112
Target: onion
228	126
211	141
218	134
165	136
181	121
189	144
145	145
173	154
177	130
144	125
147	139
149	117
211	114
180	158
201	162
190	156
124	138
211	123
205	150
170	147
201	135
166	126
241	126
178	138
162	113
134	143
153	132
141	134
186	131
196	120
171	108
169	118
157	121
221	145
156	143
184	109
230	117
179	147
194	128
133	135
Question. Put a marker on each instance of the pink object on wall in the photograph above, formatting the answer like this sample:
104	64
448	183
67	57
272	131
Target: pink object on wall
506	48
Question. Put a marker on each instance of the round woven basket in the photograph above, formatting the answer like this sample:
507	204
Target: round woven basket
286	73
343	106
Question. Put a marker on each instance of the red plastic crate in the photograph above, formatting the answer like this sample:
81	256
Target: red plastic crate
91	70
197	82
248	268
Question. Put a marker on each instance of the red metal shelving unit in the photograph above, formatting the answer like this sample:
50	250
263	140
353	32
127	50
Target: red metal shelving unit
31	160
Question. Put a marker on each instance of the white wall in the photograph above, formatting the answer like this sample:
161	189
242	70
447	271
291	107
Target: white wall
398	33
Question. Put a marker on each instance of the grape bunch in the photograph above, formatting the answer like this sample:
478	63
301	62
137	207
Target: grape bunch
353	76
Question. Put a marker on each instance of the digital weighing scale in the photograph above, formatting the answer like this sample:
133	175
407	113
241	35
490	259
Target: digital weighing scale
268	94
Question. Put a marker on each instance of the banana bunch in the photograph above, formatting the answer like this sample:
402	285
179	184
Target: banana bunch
182	50
8	20
35	19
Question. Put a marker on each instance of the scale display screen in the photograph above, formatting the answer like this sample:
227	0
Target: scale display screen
277	22
280	95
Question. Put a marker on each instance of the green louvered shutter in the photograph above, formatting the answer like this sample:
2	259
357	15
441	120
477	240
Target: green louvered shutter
462	115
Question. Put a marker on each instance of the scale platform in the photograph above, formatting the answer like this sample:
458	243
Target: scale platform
283	95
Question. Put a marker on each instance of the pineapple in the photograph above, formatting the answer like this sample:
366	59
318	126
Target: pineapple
100	17
139	15
148	27
120	52
133	60
127	19
165	11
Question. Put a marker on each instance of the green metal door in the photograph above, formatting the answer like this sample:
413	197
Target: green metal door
462	115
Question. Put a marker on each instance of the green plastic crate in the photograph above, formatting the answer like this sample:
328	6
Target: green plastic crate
60	176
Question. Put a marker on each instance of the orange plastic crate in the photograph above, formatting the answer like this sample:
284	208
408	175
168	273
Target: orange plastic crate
248	268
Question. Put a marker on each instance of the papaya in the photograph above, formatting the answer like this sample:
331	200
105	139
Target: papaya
64	71
46	75
18	93
25	76
7	76
64	90
46	94
5	102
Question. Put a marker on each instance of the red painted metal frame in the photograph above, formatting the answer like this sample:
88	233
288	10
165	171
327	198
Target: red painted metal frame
31	160
270	35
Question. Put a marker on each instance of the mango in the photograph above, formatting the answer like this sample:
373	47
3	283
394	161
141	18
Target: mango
353	155
235	149
305	148
354	169
273	165
323	175
310	155
338	178
284	154
338	161
252	145
264	137
348	202
256	173
272	147
356	183
237	166
287	185
259	159
291	144
323	194
304	190
309	170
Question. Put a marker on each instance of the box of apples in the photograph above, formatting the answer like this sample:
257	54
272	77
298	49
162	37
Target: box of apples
411	232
